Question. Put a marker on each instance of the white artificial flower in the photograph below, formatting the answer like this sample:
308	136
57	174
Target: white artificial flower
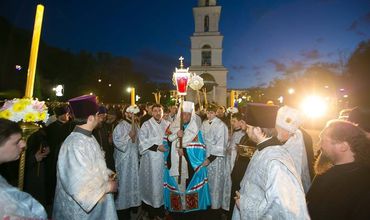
133	109
232	110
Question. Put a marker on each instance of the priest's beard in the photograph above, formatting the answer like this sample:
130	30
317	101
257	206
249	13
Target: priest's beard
322	164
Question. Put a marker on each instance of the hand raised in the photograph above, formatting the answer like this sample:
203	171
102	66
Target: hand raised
112	186
180	133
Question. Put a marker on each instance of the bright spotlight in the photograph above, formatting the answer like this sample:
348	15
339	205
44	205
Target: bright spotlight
314	106
128	89
281	99
59	90
291	91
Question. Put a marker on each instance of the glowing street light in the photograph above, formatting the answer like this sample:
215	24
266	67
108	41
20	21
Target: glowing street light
281	99
291	91
110	85
99	80
18	67
59	90
314	106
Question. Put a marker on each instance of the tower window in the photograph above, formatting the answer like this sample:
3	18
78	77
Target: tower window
206	55
206	23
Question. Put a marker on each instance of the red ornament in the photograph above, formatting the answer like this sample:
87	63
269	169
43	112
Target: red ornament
182	84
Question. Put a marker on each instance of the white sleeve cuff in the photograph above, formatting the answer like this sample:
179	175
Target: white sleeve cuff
172	137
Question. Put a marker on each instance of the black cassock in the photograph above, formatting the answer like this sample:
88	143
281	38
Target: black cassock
35	177
343	192
56	133
237	174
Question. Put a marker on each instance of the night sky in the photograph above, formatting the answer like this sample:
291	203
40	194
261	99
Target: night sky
263	39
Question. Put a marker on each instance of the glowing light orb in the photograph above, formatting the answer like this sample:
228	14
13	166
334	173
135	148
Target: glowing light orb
314	106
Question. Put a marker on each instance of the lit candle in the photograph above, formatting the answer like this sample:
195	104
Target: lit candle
133	96
232	98
34	51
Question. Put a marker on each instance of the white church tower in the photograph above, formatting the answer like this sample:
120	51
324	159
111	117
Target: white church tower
206	50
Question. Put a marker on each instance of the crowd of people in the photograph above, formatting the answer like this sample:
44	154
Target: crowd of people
92	161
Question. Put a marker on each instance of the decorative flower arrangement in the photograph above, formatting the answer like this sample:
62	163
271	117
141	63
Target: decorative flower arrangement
232	110
133	109
196	82
26	110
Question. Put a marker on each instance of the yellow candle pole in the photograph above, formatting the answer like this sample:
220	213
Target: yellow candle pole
31	79
133	96
205	97
232	98
155	97
34	51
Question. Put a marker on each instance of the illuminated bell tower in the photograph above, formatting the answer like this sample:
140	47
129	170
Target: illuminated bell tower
206	50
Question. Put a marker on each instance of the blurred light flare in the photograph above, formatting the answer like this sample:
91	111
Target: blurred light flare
314	106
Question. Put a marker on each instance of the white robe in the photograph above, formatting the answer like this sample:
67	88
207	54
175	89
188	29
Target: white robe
82	181
18	204
126	157
230	161
297	150
271	188
190	133
215	138
151	162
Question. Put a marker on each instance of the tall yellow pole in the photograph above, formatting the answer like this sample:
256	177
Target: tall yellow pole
232	98
34	51
133	96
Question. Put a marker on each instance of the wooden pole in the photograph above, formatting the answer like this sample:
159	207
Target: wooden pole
199	101
34	51
180	139
133	126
